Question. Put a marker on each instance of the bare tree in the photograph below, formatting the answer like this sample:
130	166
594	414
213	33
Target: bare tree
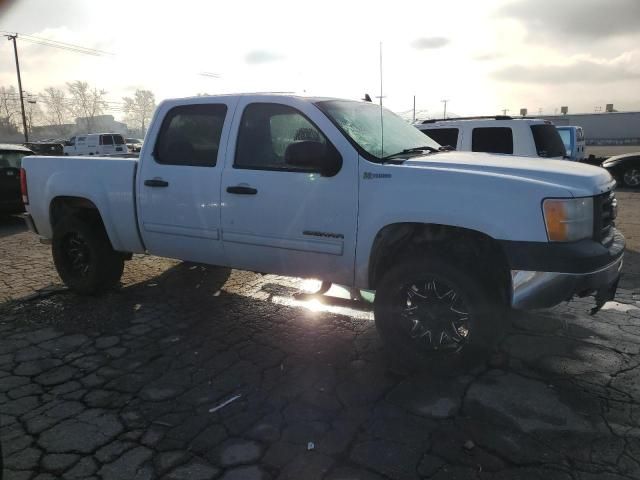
57	111
9	107
140	108
33	114
86	102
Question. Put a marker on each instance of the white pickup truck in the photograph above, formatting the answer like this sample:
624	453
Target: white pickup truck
312	187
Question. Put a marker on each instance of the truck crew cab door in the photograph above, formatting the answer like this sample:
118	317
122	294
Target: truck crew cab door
178	182
282	219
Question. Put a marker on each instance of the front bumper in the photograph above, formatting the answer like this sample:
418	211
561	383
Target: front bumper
545	274
545	289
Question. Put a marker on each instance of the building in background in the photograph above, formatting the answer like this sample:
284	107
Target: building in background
604	129
98	124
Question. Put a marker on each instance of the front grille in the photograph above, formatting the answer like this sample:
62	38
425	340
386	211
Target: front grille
605	208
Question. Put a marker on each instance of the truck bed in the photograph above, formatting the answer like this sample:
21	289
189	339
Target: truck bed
108	182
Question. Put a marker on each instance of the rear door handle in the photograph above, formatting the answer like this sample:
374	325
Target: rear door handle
241	190
155	182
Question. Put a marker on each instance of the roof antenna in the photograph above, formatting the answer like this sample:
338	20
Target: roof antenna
367	98
381	122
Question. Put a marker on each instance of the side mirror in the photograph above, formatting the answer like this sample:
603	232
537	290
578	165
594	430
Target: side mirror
314	156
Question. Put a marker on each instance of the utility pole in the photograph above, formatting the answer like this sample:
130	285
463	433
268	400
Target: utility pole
504	111
24	117
445	108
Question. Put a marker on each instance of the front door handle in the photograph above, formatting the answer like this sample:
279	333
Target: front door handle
156	182
241	190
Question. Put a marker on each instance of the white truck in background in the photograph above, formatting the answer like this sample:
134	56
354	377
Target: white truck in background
573	140
307	187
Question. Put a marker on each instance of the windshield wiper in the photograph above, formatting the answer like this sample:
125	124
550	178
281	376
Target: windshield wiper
411	150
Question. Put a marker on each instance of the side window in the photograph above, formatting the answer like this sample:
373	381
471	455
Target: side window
492	140
106	140
266	130
190	135
444	136
118	140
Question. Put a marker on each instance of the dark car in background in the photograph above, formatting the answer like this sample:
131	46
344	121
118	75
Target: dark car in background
10	163
625	169
46	148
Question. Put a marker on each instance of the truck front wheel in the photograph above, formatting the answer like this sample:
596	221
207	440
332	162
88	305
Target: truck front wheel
83	256
430	307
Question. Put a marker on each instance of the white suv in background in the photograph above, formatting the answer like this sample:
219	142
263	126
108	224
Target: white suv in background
498	134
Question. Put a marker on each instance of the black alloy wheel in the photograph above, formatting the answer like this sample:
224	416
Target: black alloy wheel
631	177
77	254
434	315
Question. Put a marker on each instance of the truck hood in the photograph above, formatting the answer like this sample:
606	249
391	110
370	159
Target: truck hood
578	178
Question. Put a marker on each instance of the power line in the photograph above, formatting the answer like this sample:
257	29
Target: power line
67	100
60	45
209	74
69	44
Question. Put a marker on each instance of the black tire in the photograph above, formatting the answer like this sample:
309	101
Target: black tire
83	256
430	308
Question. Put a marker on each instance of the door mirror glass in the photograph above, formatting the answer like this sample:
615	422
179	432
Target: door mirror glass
315	156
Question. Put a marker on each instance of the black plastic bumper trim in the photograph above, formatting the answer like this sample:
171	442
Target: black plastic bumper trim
583	256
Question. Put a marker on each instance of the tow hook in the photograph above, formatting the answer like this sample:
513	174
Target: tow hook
603	296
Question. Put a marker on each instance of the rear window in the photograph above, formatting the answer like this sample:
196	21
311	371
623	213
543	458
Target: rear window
9	159
548	141
492	140
444	136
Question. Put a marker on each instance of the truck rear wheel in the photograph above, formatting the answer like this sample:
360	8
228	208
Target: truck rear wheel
83	256
430	307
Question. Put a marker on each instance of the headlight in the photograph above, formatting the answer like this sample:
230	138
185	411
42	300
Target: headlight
568	219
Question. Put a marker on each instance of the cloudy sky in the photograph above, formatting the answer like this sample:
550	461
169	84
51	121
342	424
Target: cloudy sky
484	56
